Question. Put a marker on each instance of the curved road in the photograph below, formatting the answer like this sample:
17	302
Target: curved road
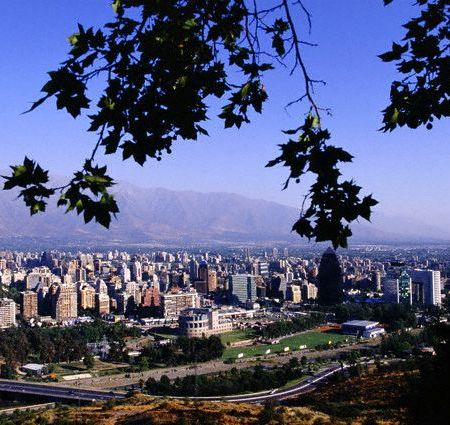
60	392
277	394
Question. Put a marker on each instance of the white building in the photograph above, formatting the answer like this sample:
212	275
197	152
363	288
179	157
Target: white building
198	322
7	313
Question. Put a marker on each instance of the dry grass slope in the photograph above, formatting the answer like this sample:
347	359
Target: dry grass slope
143	410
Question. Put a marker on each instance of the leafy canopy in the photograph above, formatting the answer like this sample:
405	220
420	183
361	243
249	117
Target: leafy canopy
162	61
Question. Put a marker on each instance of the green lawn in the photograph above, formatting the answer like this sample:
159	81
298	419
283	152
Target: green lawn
237	335
310	339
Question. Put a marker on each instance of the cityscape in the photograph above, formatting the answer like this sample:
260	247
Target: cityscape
65	288
118	321
225	212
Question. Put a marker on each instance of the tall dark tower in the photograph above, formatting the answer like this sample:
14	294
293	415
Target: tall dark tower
330	279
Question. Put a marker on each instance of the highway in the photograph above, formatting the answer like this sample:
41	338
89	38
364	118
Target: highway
277	394
57	392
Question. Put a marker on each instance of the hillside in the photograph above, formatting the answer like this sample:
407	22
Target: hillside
370	399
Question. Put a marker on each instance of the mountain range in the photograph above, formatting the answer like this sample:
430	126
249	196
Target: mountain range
180	218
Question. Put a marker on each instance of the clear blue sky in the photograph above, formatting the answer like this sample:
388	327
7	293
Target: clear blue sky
406	170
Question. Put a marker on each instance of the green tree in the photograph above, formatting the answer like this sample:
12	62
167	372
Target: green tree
89	361
162	61
427	400
7	371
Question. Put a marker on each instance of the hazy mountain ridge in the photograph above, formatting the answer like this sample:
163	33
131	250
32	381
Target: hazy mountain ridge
157	214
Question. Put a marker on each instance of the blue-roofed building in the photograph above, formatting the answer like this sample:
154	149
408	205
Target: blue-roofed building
364	328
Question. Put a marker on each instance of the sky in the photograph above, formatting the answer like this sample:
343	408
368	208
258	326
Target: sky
407	170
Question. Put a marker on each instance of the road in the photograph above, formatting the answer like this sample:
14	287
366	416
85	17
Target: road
278	394
57	392
132	379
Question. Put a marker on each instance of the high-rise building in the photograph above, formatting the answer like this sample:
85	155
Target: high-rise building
125	273
278	285
309	291
28	304
262	268
102	303
404	288
173	303
80	274
428	283
193	270
136	271
212	280
242	287
390	286
294	293
376	280
150	296
201	286
203	271
64	301
7	313
122	302
86	297
329	279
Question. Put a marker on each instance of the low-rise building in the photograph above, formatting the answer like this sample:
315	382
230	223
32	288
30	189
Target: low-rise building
198	322
362	328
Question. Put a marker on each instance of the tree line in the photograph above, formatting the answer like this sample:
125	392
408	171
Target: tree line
396	316
230	382
297	324
182	350
55	345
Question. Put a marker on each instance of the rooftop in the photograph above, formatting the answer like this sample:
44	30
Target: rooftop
361	323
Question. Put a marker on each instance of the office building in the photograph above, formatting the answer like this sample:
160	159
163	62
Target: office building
242	287
428	286
404	288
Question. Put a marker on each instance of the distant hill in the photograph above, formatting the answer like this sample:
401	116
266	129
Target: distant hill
156	215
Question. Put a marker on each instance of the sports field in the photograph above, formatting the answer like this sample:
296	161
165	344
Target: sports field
310	339
237	335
